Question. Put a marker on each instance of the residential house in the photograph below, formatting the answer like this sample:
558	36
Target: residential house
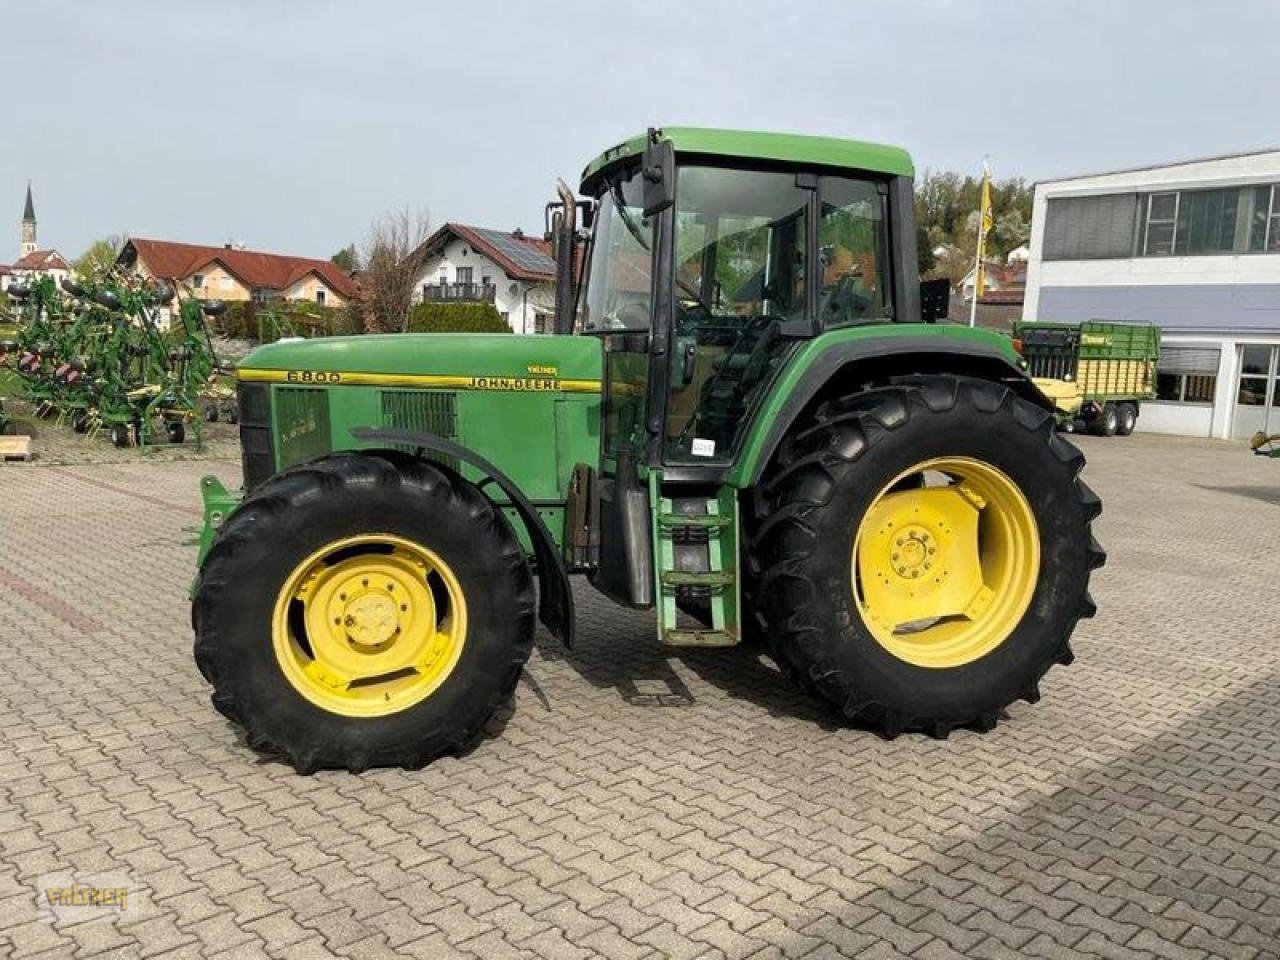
230	273
515	273
37	263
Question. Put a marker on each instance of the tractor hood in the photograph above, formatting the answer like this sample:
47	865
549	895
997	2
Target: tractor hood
494	361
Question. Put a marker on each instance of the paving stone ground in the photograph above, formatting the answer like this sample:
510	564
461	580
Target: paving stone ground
642	802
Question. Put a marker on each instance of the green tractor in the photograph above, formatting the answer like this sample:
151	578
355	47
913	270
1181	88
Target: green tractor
747	420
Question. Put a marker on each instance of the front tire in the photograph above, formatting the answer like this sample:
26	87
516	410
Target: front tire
828	508
363	610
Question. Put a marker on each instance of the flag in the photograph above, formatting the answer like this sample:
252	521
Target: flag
986	220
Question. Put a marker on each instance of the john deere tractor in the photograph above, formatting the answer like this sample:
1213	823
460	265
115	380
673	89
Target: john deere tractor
747	420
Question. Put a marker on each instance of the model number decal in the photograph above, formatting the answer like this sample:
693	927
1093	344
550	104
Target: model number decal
312	376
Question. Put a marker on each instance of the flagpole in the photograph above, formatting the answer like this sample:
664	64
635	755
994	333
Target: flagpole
977	259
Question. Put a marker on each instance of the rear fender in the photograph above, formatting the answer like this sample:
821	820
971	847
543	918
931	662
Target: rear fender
855	364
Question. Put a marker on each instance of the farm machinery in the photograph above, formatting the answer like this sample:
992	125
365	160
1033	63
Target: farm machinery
1265	445
748	420
94	354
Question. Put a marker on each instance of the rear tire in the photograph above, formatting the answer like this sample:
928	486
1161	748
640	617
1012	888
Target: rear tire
812	503
1126	419
332	500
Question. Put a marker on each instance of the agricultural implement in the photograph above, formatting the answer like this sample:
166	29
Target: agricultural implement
1265	445
93	354
748	421
1097	373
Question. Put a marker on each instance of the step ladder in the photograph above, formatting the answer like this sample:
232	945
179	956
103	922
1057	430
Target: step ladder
705	534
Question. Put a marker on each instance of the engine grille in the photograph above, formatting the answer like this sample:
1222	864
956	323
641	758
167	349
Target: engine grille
302	422
431	412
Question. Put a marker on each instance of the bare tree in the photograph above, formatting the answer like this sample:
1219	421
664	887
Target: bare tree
391	258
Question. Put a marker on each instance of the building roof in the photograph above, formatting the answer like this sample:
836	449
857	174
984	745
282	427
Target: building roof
42	260
1161	166
756	145
29	211
518	256
259	271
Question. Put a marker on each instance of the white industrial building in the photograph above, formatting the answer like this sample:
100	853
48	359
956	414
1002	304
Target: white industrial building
1193	247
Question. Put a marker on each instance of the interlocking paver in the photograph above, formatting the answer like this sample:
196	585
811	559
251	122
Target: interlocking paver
638	801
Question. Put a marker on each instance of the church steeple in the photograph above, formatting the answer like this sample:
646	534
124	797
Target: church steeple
29	225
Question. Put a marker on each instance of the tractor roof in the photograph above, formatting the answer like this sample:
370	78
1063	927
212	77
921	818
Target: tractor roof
755	145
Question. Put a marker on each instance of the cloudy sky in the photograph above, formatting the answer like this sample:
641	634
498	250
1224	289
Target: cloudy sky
290	125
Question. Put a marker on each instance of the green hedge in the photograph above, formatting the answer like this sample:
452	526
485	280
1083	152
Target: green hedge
302	318
457	318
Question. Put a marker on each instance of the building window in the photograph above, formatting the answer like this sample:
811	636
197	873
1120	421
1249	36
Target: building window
1264	224
320	297
464	274
1187	374
197	280
540	323
1162	224
1207	221
1255	370
1090	228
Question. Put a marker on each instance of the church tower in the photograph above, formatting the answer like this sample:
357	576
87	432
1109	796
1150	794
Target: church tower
29	225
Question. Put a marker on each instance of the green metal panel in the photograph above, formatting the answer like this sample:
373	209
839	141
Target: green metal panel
755	145
302	430
440	354
530	405
906	334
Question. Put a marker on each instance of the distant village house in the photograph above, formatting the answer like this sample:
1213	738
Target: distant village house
515	273
229	273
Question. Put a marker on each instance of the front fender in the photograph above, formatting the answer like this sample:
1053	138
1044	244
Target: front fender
555	596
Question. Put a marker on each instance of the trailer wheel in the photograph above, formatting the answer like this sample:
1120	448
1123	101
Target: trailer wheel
120	434
1107	421
175	431
363	610
924	553
1126	418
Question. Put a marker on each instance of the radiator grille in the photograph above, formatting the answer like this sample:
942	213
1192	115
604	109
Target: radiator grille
302	424
432	412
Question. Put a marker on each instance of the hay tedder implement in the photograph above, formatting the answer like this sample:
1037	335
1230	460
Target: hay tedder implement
99	356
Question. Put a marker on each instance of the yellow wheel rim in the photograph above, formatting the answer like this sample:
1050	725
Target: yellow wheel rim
370	625
945	562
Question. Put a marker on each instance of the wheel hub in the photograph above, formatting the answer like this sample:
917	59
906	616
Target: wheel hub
370	619
912	553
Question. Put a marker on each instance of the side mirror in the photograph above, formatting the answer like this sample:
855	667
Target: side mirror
659	172
588	209
935	299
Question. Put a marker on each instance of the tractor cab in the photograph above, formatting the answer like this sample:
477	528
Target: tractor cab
712	257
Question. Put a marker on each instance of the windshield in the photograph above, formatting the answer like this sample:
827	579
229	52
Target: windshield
618	290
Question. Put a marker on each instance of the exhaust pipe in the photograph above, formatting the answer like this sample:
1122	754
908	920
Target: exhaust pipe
565	230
